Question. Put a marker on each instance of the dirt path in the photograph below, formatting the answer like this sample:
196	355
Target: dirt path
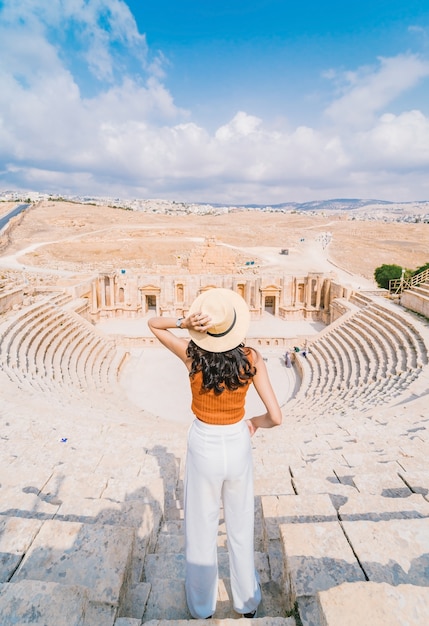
64	238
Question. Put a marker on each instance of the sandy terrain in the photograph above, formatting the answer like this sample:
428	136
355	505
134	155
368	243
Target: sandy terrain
66	237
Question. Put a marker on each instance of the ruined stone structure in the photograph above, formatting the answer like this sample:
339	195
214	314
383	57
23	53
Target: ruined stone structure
122	294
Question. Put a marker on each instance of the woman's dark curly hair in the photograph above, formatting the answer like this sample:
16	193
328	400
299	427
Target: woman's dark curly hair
220	370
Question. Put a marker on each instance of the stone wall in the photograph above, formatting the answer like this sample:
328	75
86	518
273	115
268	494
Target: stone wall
417	300
10	297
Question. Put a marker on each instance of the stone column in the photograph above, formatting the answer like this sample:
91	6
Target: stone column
112	291
318	292
94	299
276	303
308	286
102	283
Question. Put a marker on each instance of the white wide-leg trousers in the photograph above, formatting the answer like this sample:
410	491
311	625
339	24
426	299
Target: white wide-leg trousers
219	467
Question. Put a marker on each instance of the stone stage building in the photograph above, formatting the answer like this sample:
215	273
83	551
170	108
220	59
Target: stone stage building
125	294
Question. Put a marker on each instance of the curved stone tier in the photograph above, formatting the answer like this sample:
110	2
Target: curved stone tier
378	354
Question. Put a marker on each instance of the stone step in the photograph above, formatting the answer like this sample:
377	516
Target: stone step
134	603
317	556
16	536
375	604
377	508
395	551
97	557
295	509
41	603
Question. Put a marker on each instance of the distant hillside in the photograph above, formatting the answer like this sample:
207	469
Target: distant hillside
336	204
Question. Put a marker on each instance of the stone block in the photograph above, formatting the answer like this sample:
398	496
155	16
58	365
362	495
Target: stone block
164	566
150	491
42	604
296	509
135	600
374	604
26	502
98	613
168	542
167	600
261	564
133	513
376	508
277	485
275	558
16	536
29	476
414	464
120	463
64	486
264	466
388	484
90	555
309	610
417	481
317	556
308	485
395	551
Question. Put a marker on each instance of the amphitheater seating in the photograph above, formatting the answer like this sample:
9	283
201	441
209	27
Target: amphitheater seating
48	346
367	360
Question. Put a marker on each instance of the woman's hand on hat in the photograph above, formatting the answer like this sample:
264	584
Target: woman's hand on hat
199	322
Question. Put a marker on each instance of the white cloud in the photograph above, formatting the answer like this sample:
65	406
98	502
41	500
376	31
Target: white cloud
396	141
129	138
367	91
241	125
99	28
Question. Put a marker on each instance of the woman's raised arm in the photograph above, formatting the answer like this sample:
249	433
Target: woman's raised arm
161	328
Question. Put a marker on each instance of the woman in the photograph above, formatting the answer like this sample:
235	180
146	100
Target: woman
219	461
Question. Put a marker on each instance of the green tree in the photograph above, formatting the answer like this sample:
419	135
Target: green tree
421	269
385	273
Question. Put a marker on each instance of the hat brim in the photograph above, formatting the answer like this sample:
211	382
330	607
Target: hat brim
238	332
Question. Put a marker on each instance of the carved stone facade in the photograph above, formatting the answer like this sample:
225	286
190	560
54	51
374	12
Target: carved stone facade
123	294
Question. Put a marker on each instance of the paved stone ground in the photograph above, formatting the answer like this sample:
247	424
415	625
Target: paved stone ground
91	513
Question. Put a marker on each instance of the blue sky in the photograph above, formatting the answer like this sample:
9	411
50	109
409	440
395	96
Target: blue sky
265	101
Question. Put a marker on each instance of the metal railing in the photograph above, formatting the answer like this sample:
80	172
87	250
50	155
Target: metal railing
398	285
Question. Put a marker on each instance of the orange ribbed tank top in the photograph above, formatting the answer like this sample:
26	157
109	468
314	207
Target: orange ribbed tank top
223	409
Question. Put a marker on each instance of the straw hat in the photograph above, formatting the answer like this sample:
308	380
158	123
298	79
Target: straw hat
230	316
